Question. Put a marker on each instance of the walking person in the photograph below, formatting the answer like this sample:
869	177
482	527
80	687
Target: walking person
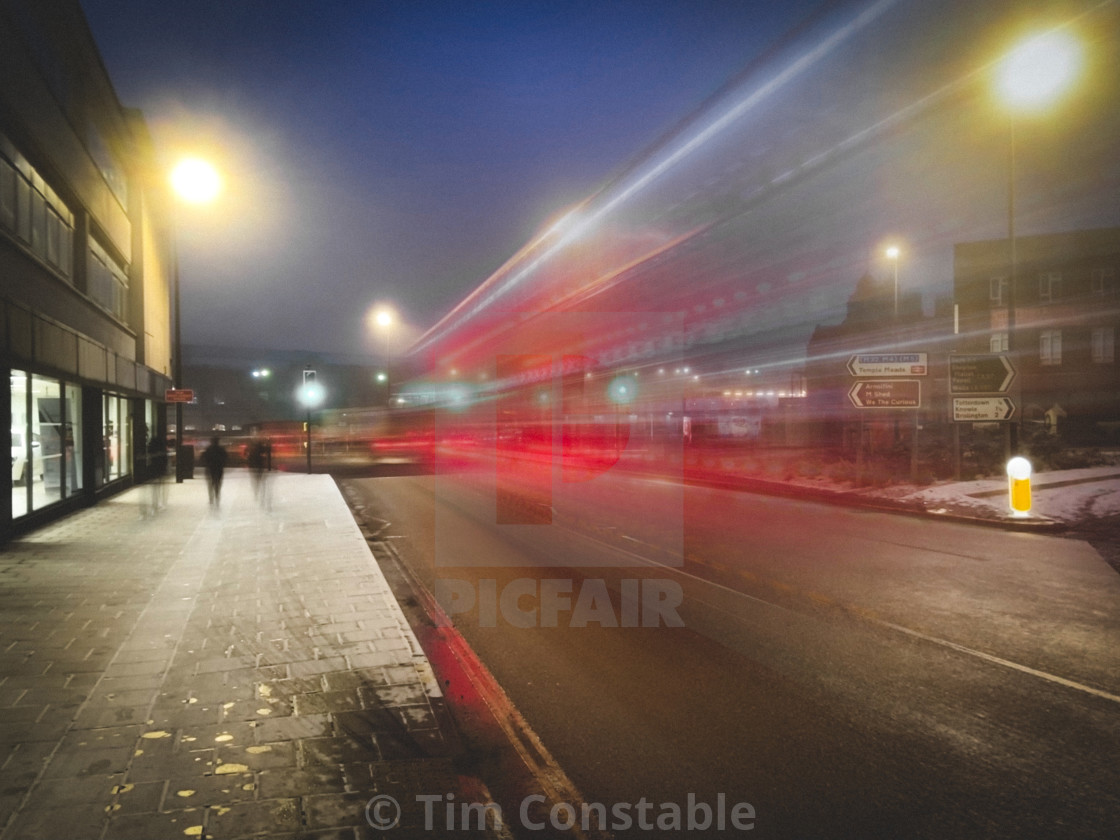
257	458
157	474
214	460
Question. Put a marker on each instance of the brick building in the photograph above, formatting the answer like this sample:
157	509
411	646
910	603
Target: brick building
1065	312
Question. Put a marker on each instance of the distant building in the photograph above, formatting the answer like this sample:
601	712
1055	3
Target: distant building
86	266
1066	315
236	388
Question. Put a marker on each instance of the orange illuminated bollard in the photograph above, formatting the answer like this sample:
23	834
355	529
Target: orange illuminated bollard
1019	485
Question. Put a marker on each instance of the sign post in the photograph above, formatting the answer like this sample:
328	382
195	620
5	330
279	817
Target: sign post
869	391
979	392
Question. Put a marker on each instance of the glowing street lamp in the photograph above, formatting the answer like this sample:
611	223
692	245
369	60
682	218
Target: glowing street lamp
194	181
1040	69
1027	80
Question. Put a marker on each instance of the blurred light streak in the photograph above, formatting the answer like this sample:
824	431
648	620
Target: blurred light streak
575	225
769	294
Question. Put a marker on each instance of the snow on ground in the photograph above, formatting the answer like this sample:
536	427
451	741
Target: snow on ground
1065	495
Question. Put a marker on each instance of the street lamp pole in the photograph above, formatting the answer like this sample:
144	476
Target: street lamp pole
196	182
892	255
177	373
383	320
1029	78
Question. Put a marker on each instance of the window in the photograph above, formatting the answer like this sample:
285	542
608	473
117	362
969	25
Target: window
998	343
1103	281
48	434
107	281
1049	286
31	211
997	292
26	457
1103	343
1050	347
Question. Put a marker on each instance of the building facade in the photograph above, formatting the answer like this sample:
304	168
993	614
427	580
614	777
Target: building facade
1064	315
87	264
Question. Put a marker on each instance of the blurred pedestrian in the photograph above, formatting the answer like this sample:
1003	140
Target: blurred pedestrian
157	474
214	460
258	458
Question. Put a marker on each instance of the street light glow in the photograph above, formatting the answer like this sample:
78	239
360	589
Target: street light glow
892	252
196	181
1037	71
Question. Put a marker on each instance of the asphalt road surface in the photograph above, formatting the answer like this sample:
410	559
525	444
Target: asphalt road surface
846	673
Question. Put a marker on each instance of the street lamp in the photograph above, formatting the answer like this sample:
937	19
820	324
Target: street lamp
1027	80
194	181
892	255
382	319
311	394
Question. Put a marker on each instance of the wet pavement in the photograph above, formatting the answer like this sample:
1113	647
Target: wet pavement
191	671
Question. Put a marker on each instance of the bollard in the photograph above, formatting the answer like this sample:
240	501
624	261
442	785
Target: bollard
1019	485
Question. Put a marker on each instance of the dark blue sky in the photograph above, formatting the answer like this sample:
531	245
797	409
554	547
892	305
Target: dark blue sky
400	150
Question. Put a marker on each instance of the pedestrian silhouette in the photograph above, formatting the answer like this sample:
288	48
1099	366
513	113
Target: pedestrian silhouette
157	475
258	458
214	460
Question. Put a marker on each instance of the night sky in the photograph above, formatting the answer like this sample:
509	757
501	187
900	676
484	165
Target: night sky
400	151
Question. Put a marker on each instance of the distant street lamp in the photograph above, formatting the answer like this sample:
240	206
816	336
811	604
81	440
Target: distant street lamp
1029	79
196	182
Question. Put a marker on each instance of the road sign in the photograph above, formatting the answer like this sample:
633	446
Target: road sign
887	393
982	409
889	364
178	395
984	374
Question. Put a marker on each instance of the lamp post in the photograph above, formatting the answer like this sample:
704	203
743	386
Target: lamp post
194	181
382	320
892	255
311	395
1028	79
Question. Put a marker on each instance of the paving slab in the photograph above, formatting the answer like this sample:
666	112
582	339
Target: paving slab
211	672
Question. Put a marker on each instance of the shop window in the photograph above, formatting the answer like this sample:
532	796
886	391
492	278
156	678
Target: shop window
48	429
115	454
72	439
26	458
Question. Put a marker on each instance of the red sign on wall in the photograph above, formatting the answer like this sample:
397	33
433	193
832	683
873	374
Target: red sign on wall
179	395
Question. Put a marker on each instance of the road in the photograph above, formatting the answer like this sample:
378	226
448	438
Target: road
848	674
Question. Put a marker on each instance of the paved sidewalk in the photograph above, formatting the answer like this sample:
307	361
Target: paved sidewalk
236	673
